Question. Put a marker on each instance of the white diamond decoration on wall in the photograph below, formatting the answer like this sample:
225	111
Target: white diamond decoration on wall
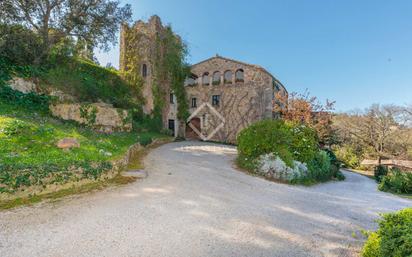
214	111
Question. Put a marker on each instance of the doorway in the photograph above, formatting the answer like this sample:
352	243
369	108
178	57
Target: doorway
190	133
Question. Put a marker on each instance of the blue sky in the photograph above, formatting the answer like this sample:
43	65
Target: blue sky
356	52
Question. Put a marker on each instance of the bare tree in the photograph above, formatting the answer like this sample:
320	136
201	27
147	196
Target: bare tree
378	131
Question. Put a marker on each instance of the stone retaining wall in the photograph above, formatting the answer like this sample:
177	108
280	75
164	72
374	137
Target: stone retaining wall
99	116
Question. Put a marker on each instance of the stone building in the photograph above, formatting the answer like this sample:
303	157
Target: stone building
224	95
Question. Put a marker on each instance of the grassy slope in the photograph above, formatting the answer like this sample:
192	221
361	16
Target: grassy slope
28	139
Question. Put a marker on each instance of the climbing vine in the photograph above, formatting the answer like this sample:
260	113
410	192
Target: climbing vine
167	54
89	114
173	68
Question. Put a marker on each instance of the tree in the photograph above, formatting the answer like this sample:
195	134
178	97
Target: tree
92	22
378	131
307	109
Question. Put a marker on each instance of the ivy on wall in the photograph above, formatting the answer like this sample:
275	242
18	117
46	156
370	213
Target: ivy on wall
168	57
171	67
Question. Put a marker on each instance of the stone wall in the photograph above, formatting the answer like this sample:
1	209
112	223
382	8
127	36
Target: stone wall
101	117
241	103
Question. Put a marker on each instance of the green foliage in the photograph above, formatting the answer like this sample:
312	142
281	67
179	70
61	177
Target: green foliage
397	182
89	113
286	140
347	156
31	101
268	136
372	246
29	155
379	172
19	44
89	82
304	145
290	142
170	66
320	168
393	238
94	22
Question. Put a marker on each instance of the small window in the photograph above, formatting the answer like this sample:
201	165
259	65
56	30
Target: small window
240	75
228	77
144	70
206	79
172	98
216	78
216	100
194	102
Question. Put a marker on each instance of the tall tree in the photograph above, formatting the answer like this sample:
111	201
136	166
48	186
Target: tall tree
307	109
94	22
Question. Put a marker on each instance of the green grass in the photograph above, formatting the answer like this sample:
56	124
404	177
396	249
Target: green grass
89	82
29	156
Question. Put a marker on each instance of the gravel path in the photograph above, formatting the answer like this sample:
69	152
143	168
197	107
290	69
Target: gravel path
195	204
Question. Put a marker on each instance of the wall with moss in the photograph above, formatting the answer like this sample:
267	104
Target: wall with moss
163	53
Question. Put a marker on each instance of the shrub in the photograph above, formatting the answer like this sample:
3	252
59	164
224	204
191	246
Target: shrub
372	246
271	166
286	140
19	44
266	137
89	82
30	101
393	238
320	167
380	172
347	156
304	145
397	181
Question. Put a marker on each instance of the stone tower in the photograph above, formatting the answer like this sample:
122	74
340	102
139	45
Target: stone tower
139	51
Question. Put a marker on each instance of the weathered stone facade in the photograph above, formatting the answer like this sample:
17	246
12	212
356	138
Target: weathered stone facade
239	93
140	50
225	95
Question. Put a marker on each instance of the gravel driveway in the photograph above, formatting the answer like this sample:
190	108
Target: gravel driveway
194	203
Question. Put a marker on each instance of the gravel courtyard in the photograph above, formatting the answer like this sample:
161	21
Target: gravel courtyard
194	203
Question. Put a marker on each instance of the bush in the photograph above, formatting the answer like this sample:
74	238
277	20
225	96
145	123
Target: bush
273	167
393	238
347	156
19	44
320	167
397	182
268	145
286	140
380	172
372	246
89	82
30	101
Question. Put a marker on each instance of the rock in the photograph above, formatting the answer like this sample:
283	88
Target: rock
22	85
67	143
107	119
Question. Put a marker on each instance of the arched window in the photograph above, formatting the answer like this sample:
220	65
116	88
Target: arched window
206	79
216	78
144	70
240	75
191	81
228	77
